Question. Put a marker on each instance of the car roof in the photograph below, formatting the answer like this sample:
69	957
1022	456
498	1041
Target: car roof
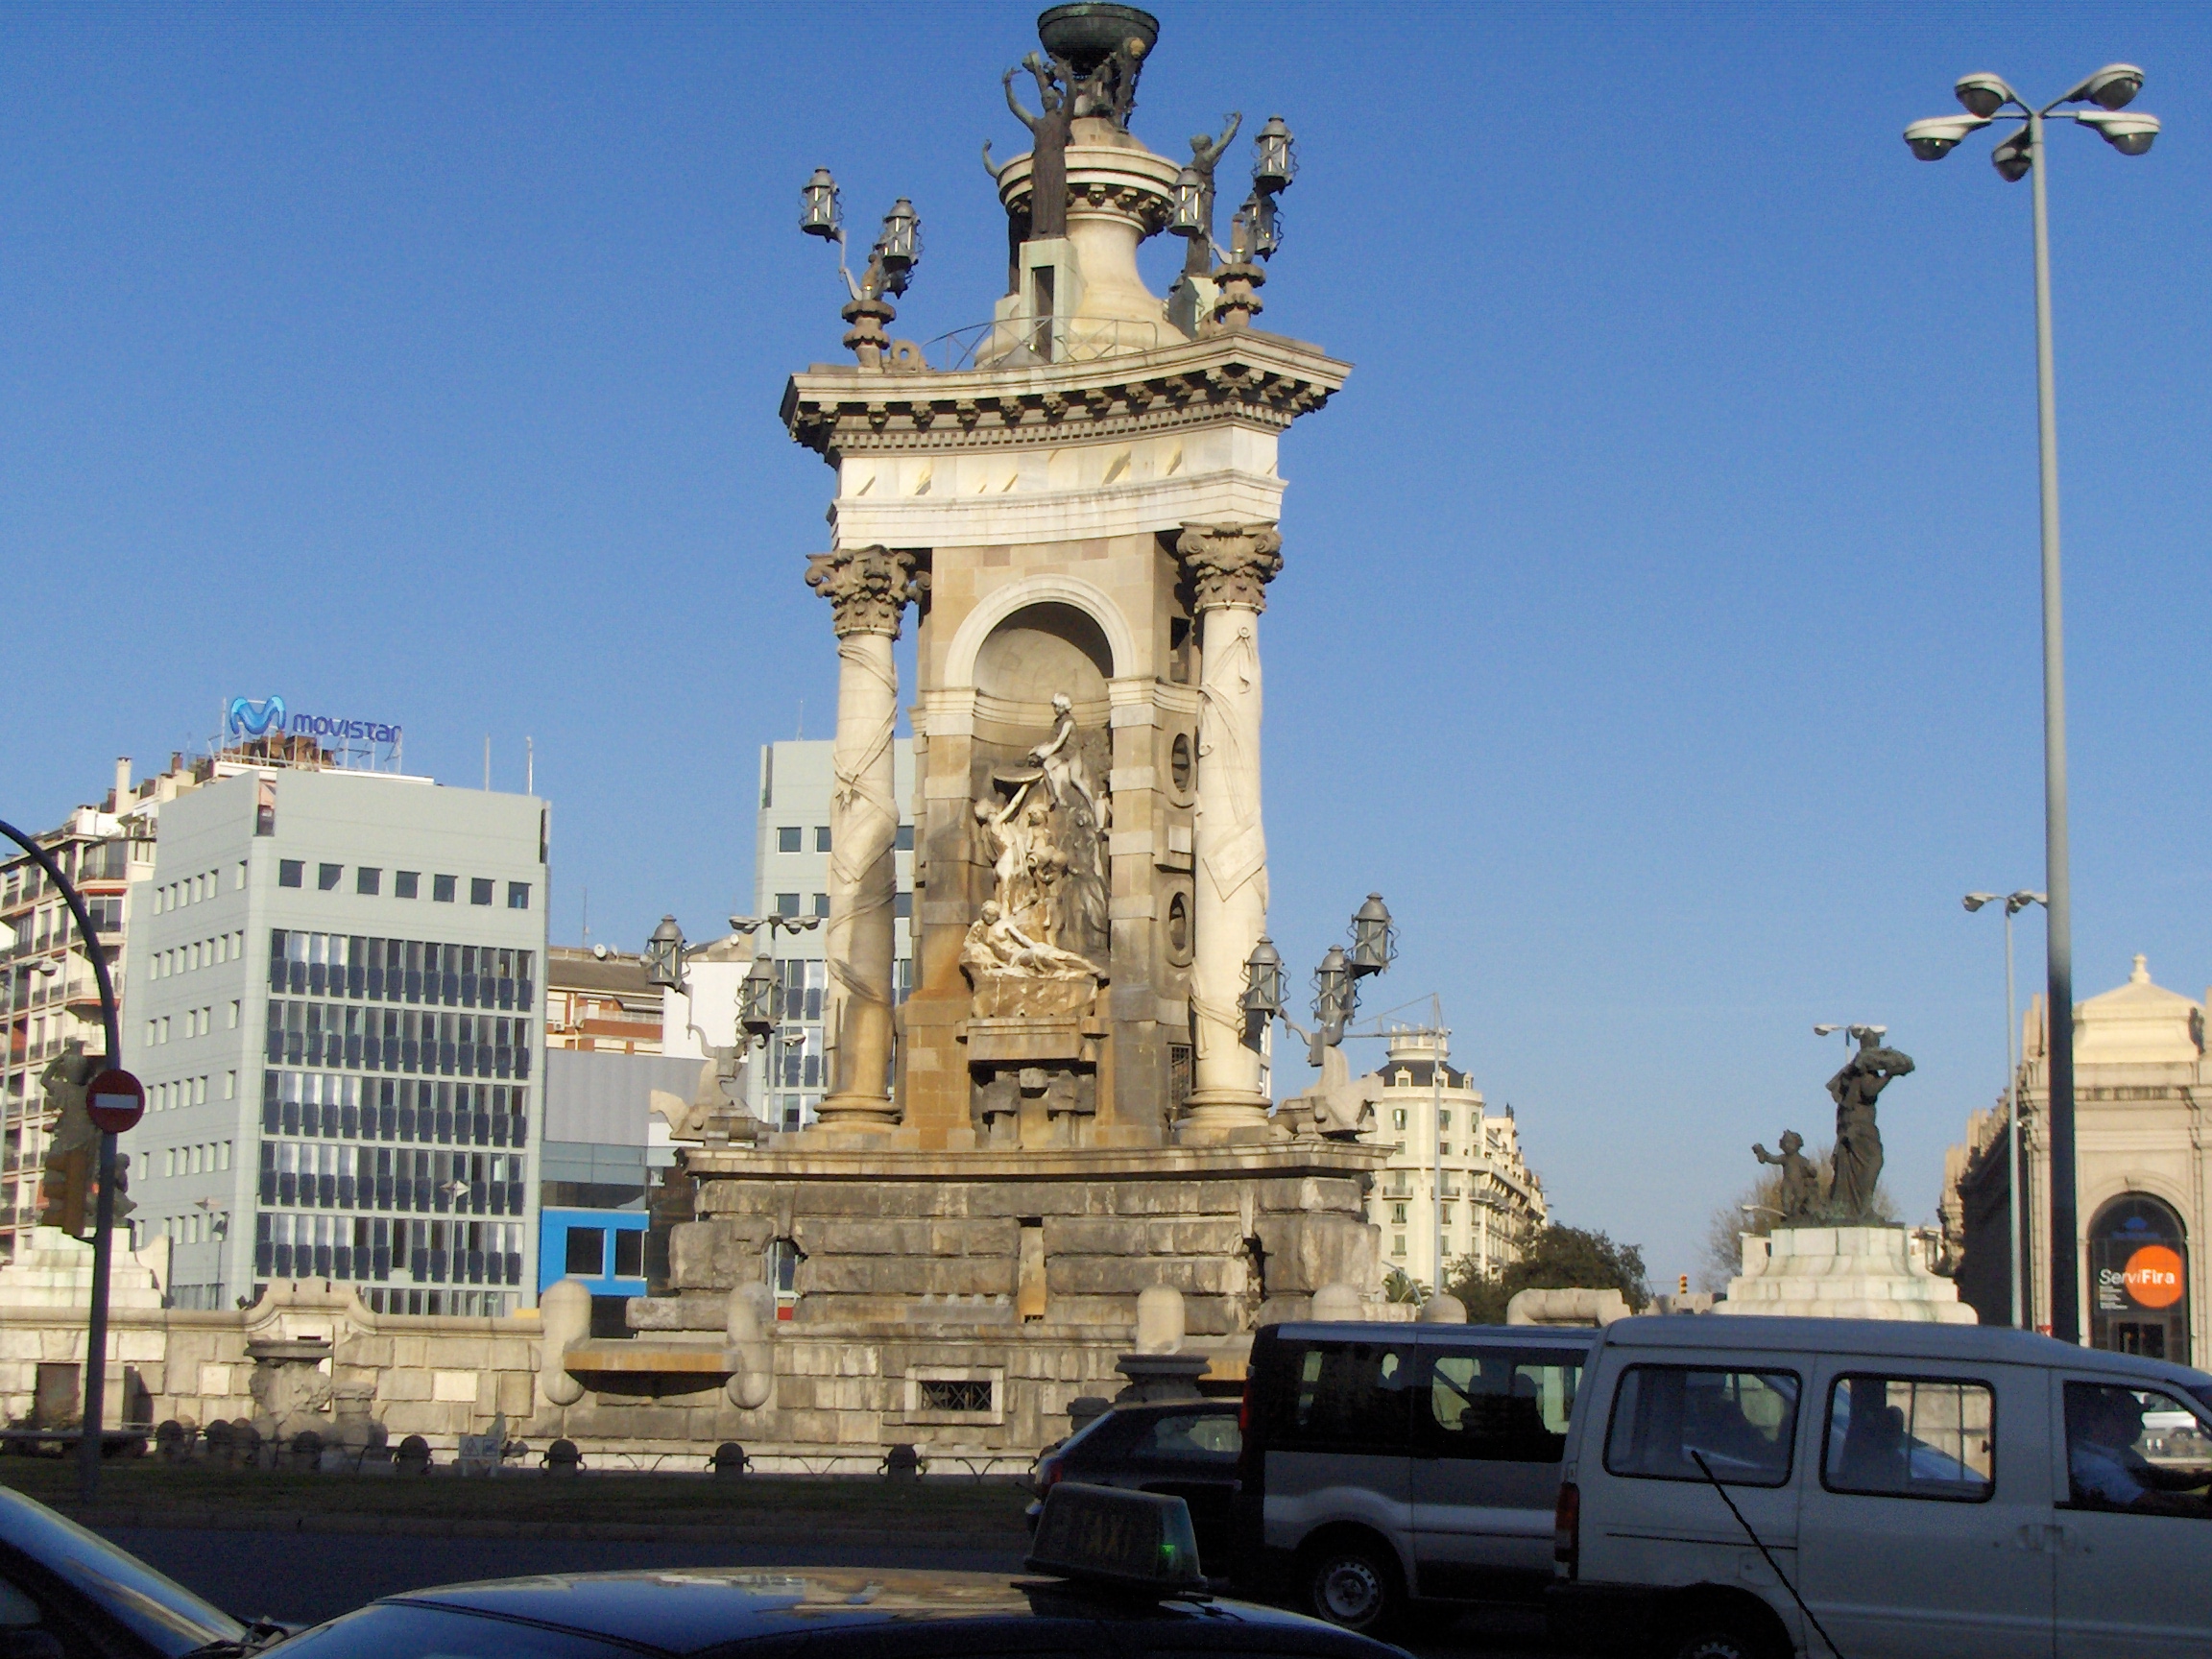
1445	1335
1883	1339
682	1610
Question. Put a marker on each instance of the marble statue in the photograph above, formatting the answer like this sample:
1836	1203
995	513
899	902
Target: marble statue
996	944
1800	1178
1857	1165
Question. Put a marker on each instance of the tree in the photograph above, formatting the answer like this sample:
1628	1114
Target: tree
1755	1210
1398	1285
1556	1259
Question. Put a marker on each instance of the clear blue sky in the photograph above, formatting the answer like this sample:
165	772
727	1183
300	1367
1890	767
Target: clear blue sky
1660	625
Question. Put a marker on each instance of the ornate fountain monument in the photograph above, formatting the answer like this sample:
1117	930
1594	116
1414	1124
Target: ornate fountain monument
1079	502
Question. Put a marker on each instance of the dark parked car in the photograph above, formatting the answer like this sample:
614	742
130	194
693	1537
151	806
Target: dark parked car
1183	1448
1124	1584
68	1593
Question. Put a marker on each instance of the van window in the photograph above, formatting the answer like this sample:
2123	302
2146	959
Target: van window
1347	1397
1498	1405
1741	1423
2137	1449
1911	1438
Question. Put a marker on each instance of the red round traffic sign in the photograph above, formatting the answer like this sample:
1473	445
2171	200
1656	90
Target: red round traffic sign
115	1102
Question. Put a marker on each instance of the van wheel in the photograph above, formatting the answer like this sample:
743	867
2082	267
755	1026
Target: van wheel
1721	1642
1355	1585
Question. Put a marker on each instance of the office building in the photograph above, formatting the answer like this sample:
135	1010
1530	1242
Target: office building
335	1008
791	878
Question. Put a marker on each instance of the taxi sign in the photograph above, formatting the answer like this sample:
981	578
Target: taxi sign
114	1101
1108	1535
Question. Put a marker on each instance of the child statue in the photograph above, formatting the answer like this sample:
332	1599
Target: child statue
1800	1180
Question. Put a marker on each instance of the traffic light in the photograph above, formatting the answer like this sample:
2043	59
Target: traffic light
65	1189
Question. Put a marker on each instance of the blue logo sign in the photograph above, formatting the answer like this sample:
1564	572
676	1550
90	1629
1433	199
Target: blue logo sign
269	717
252	719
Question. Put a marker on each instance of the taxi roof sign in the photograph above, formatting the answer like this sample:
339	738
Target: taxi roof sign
1108	1535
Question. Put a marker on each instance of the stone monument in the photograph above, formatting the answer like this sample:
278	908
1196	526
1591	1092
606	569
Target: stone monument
1832	1256
1079	508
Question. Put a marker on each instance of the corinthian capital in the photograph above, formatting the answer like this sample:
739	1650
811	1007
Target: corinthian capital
868	588
1230	564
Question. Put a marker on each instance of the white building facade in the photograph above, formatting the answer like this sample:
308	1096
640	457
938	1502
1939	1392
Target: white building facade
337	1000
791	880
1491	1201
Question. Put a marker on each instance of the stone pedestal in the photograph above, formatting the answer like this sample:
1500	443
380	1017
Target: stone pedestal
1841	1273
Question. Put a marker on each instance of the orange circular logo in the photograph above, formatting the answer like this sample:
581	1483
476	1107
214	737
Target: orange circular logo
2153	1275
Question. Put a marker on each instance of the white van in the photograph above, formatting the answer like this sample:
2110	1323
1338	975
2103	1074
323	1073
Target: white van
1749	1488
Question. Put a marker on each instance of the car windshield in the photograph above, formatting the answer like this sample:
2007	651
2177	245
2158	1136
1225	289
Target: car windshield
161	1613
412	1630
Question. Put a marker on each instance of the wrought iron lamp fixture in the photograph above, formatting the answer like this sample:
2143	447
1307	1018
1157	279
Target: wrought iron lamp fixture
664	956
890	268
1336	981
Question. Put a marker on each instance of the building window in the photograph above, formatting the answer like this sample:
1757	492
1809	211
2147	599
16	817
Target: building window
441	889
787	903
821	903
788	838
480	890
1444	1118
629	1253
291	873
406	883
1397	1243
906	838
901	905
327	877
587	1251
1396	1215
265	807
1398	1119
367	879
517	894
954	1395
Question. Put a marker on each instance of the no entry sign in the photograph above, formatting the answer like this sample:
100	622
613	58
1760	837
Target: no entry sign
115	1102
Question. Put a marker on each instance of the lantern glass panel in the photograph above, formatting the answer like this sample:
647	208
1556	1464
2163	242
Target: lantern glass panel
901	243
818	217
1189	205
1274	157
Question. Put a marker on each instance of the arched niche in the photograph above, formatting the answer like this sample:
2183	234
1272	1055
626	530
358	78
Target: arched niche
1046	589
1040	651
2139	1289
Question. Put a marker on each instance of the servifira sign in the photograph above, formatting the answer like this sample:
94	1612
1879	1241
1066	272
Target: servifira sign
269	718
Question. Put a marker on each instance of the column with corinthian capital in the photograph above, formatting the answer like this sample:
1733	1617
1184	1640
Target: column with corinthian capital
1229	566
869	590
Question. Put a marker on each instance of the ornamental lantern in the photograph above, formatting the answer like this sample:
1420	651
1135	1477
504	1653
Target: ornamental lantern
1372	939
1264	980
819	216
900	246
1333	995
757	995
664	956
1189	205
1266	226
1274	158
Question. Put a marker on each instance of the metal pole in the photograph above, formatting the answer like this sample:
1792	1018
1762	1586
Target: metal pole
2013	1206
2065	1239
89	1435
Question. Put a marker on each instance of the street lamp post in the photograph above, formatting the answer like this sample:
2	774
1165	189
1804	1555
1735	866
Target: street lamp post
2014	1205
1987	98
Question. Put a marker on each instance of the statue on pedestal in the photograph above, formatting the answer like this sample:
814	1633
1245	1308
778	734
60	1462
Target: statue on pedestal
1800	1177
1858	1166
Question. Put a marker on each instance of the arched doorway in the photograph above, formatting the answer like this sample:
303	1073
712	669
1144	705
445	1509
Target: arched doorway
2139	1280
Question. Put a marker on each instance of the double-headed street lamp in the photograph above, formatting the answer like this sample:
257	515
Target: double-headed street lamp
2015	1202
756	991
890	267
1986	99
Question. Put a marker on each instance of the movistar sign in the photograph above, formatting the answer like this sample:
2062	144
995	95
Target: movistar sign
269	717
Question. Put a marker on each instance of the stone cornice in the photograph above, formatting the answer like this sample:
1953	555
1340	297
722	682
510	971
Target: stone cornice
790	1158
1265	379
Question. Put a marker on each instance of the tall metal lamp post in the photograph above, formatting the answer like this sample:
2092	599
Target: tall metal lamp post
2014	1204
1987	98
